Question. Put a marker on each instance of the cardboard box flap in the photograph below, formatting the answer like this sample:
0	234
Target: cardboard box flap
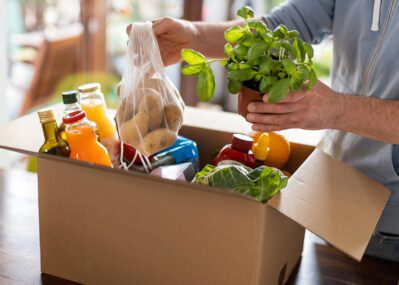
334	201
24	135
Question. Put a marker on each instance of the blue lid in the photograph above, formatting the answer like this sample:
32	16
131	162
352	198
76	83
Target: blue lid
182	150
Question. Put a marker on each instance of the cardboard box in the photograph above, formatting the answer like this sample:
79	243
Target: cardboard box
107	226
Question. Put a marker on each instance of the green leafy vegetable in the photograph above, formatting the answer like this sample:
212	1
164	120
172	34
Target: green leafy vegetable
191	69
279	90
234	34
206	84
245	12
192	57
273	62
261	183
234	86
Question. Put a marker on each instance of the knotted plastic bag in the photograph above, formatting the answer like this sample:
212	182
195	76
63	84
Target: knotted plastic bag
150	109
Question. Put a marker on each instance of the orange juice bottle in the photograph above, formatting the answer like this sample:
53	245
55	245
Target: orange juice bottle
93	103
83	141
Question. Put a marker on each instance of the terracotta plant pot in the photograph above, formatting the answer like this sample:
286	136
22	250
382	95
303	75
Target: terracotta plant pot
246	96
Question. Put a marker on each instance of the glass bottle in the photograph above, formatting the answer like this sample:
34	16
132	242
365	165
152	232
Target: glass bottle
92	102
238	151
71	104
83	141
53	143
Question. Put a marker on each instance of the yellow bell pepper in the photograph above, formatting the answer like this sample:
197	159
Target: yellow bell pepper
260	147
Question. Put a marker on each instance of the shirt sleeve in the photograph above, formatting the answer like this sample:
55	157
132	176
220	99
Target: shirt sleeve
313	19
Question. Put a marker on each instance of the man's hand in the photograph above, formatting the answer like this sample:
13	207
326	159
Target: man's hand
314	109
173	35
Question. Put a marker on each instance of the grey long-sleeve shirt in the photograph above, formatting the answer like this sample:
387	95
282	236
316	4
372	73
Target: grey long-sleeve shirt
366	63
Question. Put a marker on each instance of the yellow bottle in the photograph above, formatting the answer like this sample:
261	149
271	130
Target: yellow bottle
93	103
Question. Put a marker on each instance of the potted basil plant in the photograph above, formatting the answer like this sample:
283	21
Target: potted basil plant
258	61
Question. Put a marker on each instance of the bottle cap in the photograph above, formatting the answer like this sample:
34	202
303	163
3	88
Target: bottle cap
70	97
73	117
46	116
241	142
89	87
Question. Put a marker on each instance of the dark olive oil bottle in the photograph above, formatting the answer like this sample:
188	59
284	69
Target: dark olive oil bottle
53	144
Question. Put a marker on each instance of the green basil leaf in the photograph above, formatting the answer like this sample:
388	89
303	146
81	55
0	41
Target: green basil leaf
223	62
255	51
292	34
206	84
281	74
245	12
275	45
241	51
267	38
259	26
266	65
234	86
278	33
248	40
289	66
283	29
309	50
233	66
244	65
192	69
288	46
236	66
312	79
300	50
229	50
279	90
304	70
242	74
266	83
234	34
296	81
192	57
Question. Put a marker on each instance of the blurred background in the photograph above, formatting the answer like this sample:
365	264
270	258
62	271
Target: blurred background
56	45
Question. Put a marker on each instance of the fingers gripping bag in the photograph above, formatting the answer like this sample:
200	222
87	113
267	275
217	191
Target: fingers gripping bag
150	109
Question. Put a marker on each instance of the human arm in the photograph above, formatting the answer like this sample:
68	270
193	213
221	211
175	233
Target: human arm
322	108
313	19
173	35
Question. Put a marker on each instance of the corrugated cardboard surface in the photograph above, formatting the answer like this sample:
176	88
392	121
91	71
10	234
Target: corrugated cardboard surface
334	201
282	244
102	227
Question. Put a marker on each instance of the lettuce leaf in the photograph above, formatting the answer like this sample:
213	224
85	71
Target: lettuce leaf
262	183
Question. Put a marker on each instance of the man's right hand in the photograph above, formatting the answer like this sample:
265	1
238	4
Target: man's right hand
173	35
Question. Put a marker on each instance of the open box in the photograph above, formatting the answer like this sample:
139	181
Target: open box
107	226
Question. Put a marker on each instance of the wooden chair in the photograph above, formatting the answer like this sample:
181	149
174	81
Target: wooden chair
57	58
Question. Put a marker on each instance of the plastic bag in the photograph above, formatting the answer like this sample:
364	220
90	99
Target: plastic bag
262	183
150	109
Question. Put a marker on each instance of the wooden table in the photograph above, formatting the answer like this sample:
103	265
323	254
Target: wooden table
20	259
